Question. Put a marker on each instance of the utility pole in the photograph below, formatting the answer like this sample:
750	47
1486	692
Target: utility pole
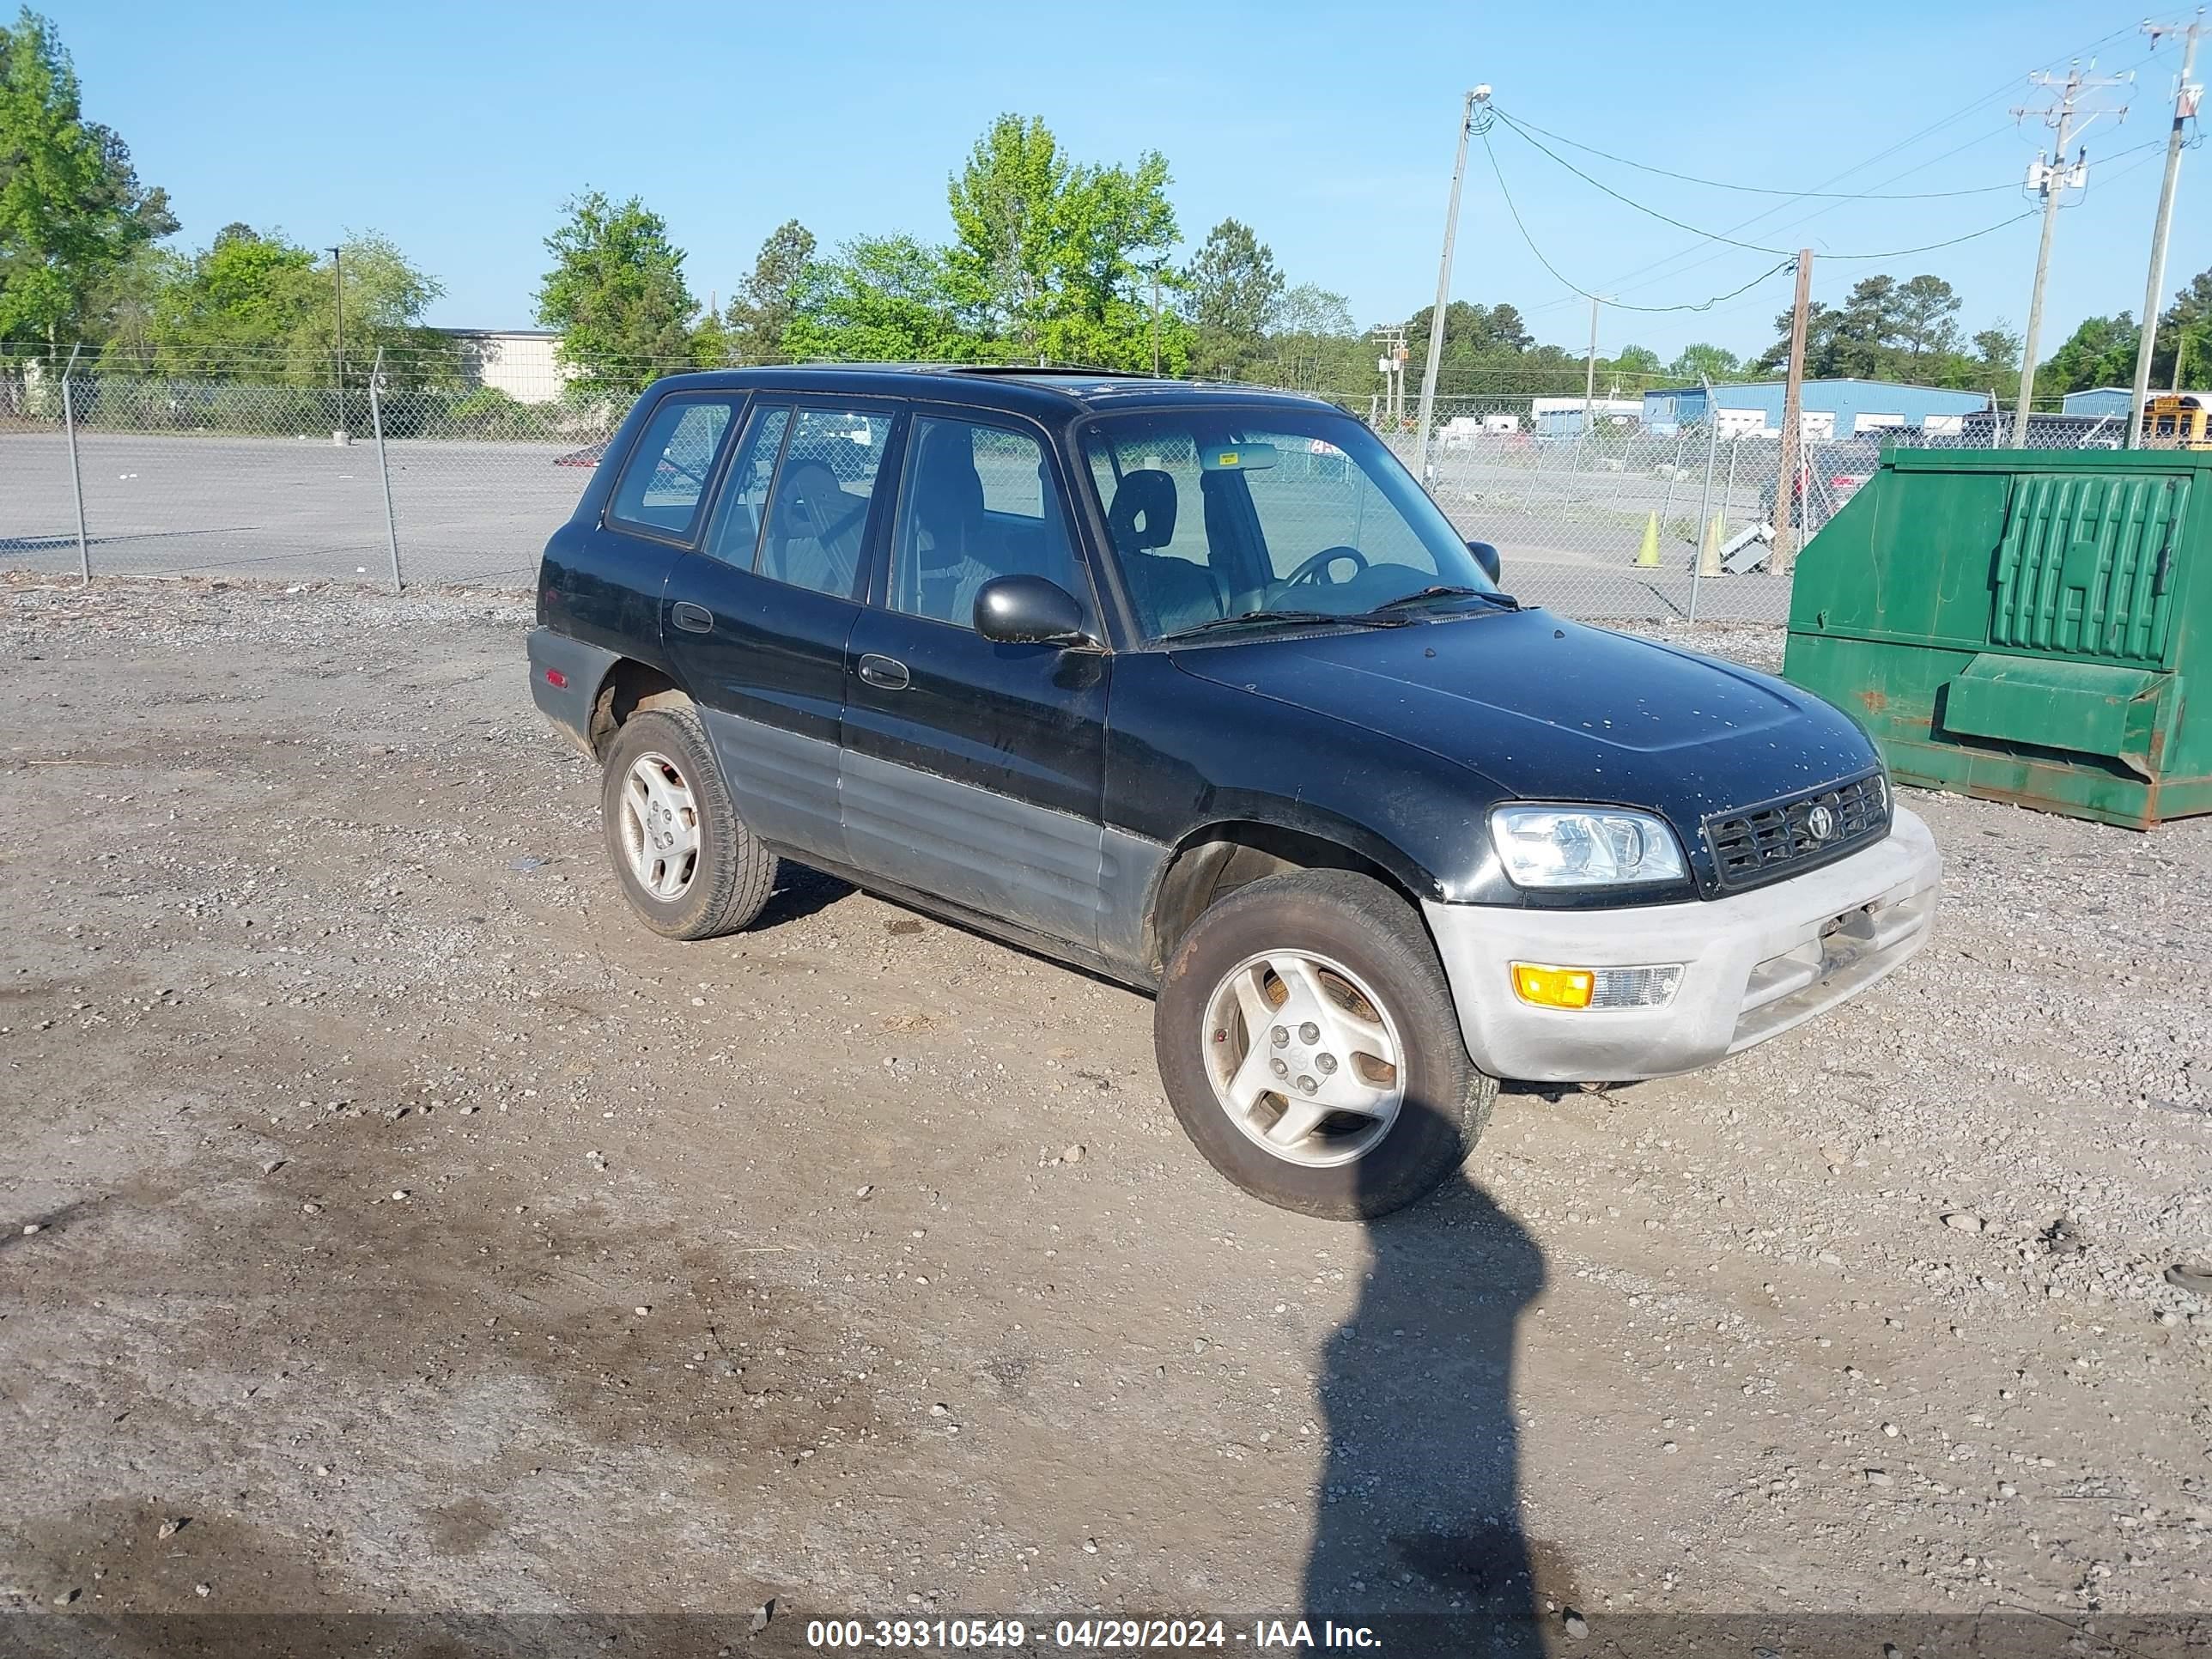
2053	178
1391	365
1480	98
1590	369
337	365
2185	97
1788	506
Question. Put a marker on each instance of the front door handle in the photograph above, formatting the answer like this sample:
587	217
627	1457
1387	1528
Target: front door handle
884	673
692	618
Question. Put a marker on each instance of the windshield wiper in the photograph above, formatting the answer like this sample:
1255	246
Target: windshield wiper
1449	590
1354	619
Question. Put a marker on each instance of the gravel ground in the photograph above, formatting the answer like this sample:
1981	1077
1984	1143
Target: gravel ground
384	1207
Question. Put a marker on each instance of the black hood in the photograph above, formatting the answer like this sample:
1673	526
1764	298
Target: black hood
1547	709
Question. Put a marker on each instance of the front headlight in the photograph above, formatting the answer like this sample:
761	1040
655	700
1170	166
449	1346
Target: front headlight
1583	846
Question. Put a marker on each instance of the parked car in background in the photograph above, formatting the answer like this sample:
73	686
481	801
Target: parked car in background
1193	686
589	456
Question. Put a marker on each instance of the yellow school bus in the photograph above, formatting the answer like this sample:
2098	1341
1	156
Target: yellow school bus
2179	420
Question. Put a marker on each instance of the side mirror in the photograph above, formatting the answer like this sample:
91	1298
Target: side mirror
1486	556
1028	611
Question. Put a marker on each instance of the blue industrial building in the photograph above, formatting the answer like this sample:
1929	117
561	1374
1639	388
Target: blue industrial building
1833	409
2101	400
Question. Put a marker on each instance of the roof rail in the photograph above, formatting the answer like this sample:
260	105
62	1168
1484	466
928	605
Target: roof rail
1017	370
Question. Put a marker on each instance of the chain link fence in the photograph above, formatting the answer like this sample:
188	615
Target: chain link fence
403	478
1620	521
379	482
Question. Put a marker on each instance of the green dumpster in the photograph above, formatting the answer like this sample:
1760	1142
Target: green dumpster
2022	625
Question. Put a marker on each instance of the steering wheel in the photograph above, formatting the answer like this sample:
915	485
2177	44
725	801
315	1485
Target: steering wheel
1312	570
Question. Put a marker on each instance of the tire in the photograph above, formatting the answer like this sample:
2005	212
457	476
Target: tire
727	875
1365	948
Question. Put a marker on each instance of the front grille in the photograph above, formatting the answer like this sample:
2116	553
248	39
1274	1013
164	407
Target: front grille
1766	843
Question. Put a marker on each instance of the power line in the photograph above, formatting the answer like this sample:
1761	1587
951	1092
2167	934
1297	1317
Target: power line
1519	225
1524	127
1894	253
1513	208
1657	270
1836	286
1753	247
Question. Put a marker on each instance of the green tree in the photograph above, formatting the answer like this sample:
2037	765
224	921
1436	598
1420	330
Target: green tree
710	344
1051	257
1009	250
1821	322
616	294
1885	329
254	305
1715	363
1471	330
1639	361
2185	332
232	306
1489	349
1857	345
1118	225
1926	327
761	313
123	306
2101	351
1995	365
72	207
1232	292
1311	312
881	298
1314	346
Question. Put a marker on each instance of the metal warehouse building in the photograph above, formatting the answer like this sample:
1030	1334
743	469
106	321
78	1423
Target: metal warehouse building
1833	409
2100	400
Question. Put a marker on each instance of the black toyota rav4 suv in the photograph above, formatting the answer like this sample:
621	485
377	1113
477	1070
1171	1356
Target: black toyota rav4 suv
1194	686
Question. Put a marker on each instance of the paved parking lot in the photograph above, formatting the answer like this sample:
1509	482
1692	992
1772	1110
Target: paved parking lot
414	1233
283	509
303	509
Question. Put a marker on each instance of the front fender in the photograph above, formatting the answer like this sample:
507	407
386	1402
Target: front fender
1185	756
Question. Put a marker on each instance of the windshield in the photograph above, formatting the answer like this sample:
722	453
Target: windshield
1227	512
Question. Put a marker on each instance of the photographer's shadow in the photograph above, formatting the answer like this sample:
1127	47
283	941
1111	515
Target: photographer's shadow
1418	1527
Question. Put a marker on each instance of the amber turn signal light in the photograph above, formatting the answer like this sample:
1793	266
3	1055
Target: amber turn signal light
1548	986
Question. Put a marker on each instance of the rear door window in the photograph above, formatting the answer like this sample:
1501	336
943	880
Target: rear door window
665	478
733	534
818	512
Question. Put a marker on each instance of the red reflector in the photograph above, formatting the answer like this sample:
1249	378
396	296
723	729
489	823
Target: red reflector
555	676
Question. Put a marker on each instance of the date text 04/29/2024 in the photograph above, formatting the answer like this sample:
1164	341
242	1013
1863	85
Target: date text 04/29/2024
1095	1635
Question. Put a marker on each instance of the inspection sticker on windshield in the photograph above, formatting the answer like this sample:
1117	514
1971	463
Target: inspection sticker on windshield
1236	458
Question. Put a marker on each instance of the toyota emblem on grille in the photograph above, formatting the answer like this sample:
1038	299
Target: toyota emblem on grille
1819	824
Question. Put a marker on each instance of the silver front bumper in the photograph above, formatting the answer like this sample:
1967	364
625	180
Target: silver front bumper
1753	964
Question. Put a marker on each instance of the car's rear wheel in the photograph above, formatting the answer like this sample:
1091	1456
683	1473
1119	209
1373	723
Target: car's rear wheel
1308	1042
685	860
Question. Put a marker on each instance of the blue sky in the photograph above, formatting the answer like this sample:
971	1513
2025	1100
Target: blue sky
458	130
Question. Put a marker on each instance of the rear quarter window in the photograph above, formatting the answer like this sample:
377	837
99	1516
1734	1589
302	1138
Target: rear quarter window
665	479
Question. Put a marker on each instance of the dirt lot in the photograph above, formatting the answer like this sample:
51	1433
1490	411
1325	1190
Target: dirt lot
422	1235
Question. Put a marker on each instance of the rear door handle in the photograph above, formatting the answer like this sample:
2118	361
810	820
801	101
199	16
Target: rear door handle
692	618
885	673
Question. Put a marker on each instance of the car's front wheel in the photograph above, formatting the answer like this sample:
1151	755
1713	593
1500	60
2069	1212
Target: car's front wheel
687	863
1308	1042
